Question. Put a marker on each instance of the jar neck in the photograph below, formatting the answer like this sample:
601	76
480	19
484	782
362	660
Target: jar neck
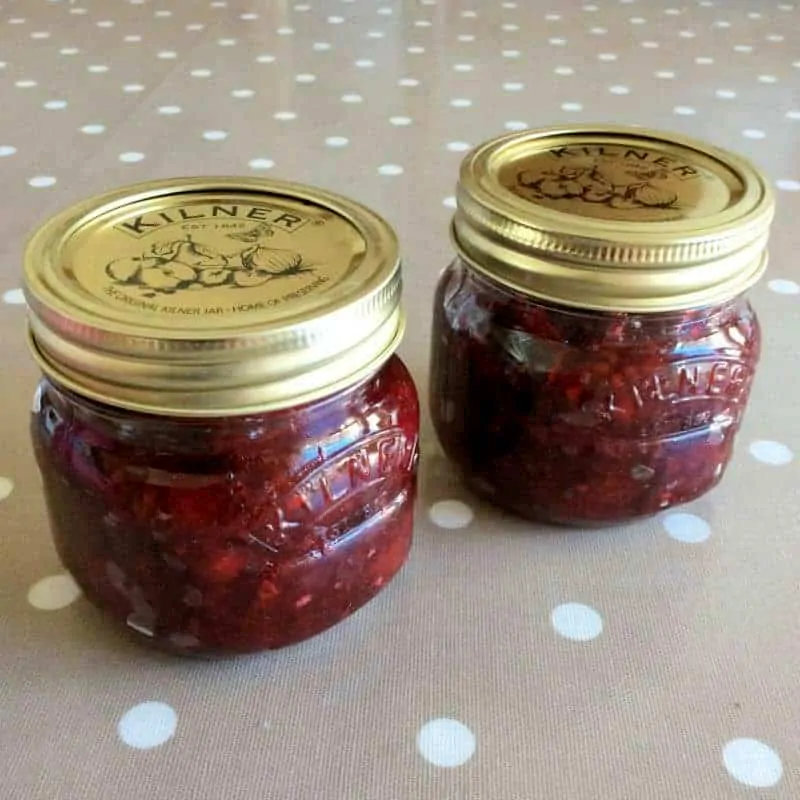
711	315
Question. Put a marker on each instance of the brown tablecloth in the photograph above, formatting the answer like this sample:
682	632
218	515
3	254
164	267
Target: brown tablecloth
508	661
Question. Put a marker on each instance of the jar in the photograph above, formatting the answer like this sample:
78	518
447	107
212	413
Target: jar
227	440
592	347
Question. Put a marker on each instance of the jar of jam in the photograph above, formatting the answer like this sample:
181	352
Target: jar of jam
227	439
592	348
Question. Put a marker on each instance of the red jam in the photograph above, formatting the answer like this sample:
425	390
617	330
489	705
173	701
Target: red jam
232	535
580	417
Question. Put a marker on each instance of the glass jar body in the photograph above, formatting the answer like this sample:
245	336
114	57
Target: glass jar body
580	417
236	534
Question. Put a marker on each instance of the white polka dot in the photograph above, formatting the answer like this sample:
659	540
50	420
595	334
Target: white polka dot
451	514
598	31
460	102
401	122
168	111
767	79
775	37
466	37
93	129
163	14
337	141
375	34
131	157
784	286
352	98
753	133
564	71
215	136
6	485
557	41
249	16
687	34
53	592
167	55
266	58
687	528
513	86
284	116
105	23
743	48
133	38
754	15
511	53
704	60
78	10
42	181
25	84
365	63
42	34
132	88
408	82
55	105
321	46
385	11
665	74
509	27
684	111
772	453
147	725
334	20
449	202
69	51
195	26
516	125
97	68
637	20
390	169
243	94
14	297
649	45
617	89
786	185
722	23
752	763
7	150
793	115
552	17
469	14
463	67
577	622
305	77
201	73
446	742
261	163
458	147
607	56
725	94
572	107
415	50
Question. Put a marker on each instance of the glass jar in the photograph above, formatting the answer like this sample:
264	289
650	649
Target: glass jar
228	442
592	348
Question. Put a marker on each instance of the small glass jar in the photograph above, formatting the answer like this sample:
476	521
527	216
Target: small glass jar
228	442
592	348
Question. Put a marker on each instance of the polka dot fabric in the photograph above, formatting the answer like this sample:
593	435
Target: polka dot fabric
659	657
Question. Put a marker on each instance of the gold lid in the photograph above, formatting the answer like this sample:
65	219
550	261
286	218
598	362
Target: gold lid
213	296
613	218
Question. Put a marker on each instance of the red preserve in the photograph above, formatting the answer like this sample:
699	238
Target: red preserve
227	440
592	350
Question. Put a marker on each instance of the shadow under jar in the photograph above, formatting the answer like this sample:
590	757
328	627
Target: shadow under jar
592	348
228	442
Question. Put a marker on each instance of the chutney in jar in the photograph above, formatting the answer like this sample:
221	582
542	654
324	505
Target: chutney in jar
227	439
593	349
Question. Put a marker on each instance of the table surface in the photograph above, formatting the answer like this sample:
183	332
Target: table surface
507	661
